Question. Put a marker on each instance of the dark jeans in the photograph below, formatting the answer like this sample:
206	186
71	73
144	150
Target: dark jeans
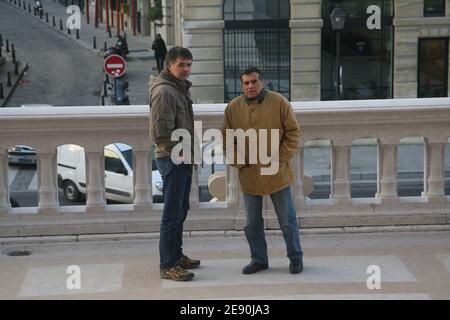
160	63
176	189
287	218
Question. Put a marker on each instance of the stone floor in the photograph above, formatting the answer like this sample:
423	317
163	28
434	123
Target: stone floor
408	265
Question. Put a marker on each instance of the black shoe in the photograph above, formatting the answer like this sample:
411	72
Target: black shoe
296	265
253	267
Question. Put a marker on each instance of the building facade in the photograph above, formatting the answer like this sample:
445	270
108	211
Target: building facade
387	48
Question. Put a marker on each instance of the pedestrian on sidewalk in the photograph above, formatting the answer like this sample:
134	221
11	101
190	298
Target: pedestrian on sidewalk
171	109
258	109
159	46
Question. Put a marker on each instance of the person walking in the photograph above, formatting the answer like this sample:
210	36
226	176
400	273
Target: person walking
171	109
259	109
159	46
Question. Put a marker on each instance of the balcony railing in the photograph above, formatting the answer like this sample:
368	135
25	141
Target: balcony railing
341	122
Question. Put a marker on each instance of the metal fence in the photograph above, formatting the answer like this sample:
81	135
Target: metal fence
265	45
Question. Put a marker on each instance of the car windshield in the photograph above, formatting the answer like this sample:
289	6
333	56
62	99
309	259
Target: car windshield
128	155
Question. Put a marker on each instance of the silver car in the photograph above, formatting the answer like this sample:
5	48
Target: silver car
22	154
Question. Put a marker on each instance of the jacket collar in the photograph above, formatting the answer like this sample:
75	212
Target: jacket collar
259	98
182	84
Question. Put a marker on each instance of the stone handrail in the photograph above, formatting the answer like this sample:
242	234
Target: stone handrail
341	122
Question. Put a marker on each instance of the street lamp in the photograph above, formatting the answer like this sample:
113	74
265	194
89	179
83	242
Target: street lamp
337	17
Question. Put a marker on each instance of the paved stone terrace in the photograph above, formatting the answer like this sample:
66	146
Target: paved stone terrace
412	265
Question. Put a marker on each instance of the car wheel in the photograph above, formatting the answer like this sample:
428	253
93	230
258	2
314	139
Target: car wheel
14	203
71	192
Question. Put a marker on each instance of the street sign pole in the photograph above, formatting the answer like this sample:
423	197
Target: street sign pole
115	66
115	90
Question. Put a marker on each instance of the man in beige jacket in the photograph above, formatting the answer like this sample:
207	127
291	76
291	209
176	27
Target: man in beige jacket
262	110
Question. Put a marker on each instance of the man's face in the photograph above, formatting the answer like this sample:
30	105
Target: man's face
181	68
251	85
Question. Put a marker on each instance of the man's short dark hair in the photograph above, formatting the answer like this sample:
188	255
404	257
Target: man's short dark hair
177	52
251	70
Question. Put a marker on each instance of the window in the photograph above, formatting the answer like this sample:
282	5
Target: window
433	68
433	8
257	33
113	162
365	55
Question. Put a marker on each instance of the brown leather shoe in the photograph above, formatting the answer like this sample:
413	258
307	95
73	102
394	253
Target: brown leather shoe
176	273
188	263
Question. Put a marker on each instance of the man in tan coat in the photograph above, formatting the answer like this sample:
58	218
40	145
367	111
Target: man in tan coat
261	110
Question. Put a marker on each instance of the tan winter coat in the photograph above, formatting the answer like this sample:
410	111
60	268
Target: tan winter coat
273	112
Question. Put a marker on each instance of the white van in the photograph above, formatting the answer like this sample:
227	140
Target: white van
118	173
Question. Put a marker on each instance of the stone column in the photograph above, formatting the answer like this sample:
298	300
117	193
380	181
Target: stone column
306	29
167	29
434	184
405	68
142	181
48	182
145	25
95	166
409	26
4	168
341	174
387	173
203	34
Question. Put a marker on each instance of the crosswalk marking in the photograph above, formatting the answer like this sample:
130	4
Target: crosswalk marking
445	260
359	296
335	269
22	179
94	278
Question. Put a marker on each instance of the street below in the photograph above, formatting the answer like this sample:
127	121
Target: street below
61	72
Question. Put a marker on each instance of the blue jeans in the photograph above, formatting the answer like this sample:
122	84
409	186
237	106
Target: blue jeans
287	218
177	181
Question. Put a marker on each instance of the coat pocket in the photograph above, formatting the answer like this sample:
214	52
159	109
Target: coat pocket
163	129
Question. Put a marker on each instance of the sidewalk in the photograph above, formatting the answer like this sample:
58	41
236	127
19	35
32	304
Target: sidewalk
140	61
412	265
7	65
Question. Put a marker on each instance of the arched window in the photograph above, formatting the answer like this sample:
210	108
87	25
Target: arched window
257	34
364	64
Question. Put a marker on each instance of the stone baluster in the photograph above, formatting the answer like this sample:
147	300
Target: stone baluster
434	184
299	198
194	199
4	198
232	187
341	174
95	166
143	181
387	172
47	181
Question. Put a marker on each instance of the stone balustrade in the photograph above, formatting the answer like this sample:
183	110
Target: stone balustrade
340	122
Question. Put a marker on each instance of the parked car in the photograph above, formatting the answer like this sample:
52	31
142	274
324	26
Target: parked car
22	154
118	173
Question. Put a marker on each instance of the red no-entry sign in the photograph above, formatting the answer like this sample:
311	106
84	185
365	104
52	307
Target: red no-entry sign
115	65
